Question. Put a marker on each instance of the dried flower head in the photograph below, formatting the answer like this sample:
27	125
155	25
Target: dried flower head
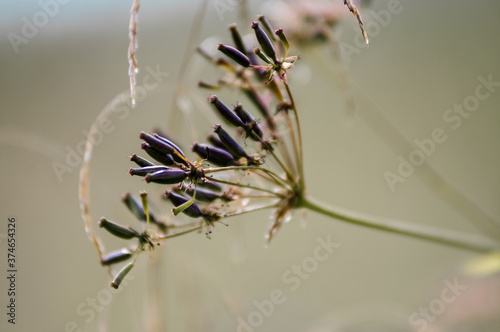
254	161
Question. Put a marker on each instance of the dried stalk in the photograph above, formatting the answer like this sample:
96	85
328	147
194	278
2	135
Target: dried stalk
132	47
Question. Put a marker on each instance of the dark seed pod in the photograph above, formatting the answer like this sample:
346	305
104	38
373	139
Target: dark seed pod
210	185
169	176
202	195
156	143
215	141
121	275
163	158
226	113
234	54
237	40
136	208
163	145
116	257
231	145
143	171
118	230
249	120
192	211
141	162
264	41
170	143
267	26
214	155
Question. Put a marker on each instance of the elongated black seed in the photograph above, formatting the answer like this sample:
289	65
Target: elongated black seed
215	141
143	171
116	257
238	41
163	145
163	158
202	194
141	162
231	145
210	185
156	143
192	211
234	54
267	26
214	155
118	230
169	176
264	41
226	113
169	142
249	121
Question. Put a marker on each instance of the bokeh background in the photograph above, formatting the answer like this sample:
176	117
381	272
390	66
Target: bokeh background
427	58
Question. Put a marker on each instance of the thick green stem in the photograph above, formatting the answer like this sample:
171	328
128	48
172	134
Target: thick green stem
470	242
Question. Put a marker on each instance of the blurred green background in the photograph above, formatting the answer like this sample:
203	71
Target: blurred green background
426	59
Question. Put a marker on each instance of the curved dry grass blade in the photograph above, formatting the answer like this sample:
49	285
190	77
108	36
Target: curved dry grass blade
354	10
83	185
132	47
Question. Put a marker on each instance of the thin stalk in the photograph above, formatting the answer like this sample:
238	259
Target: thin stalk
255	196
247	210
247	186
294	142
244	168
168	236
288	174
300	165
470	242
273	180
272	126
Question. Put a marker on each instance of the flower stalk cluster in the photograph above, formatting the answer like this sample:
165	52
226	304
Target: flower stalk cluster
253	159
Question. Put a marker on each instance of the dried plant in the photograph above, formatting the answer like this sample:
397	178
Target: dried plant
246	164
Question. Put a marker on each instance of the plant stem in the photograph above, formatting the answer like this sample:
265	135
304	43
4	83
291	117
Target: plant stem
470	242
300	165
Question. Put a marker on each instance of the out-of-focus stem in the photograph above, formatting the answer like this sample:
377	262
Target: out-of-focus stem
470	242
